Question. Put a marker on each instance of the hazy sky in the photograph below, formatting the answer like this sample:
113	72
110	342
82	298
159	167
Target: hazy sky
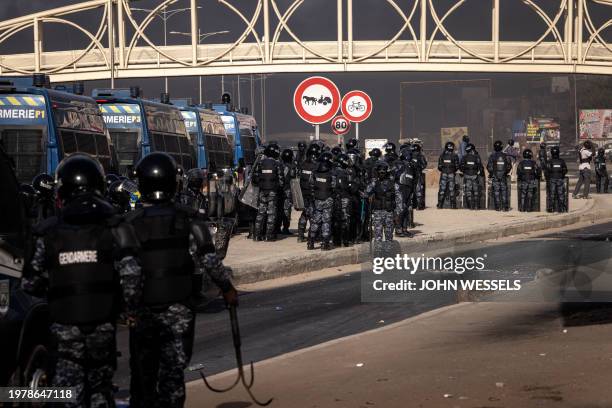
314	20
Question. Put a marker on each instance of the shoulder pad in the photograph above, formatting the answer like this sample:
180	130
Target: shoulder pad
204	241
42	227
125	236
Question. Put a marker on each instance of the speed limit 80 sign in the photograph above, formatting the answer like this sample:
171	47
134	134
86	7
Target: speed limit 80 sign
340	125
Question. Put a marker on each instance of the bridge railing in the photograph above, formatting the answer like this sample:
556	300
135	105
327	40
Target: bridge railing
120	44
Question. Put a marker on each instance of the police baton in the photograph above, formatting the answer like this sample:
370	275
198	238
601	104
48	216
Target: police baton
241	376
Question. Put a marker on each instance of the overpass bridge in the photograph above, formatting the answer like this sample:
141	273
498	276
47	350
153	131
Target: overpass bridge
120	46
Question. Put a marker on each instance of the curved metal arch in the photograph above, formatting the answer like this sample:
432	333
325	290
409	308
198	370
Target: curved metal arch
407	24
551	27
140	28
591	26
590	43
296	38
279	27
95	40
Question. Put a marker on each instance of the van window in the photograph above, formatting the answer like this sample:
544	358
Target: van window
24	147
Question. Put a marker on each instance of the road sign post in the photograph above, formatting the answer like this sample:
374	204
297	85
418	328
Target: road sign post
316	100
356	107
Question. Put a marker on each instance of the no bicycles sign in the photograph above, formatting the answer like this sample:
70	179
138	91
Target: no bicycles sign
316	100
356	106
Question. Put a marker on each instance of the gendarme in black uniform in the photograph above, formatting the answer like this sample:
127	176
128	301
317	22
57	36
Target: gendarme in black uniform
175	244
79	259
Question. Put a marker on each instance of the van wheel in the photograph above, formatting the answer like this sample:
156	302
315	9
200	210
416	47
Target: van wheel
35	372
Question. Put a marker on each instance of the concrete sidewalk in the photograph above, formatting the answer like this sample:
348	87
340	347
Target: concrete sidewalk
472	355
436	229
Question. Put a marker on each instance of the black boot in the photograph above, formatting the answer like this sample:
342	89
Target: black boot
406	233
326	246
301	237
310	244
271	238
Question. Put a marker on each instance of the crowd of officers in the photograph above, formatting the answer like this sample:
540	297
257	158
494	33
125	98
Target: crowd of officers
346	198
99	260
339	192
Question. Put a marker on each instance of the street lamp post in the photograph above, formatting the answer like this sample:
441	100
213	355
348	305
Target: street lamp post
165	15
201	36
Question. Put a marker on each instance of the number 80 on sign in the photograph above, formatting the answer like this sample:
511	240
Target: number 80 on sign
340	125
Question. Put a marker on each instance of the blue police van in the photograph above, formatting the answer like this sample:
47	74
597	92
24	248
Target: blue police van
243	131
138	127
39	126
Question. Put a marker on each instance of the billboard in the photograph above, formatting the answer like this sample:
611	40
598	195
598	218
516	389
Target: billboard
452	134
543	130
373	144
595	123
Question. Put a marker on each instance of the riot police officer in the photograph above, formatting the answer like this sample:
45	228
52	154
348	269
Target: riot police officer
420	164
370	163
557	169
347	189
81	258
268	176
192	195
289	172
119	197
322	184
448	164
471	167
390	153
176	245
528	173
305	172
499	167
405	177
386	197
601	171
44	203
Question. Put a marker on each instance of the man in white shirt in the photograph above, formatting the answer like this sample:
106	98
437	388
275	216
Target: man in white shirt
585	155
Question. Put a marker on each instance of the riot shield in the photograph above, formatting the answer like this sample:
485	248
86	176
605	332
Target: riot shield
249	195
296	194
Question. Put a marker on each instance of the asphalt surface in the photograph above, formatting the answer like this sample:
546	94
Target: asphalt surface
284	319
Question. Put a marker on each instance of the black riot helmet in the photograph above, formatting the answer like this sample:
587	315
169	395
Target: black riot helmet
382	170
405	154
110	179
498	146
415	147
195	179
527	154
336	150
389	147
77	174
352	144
466	138
343	160
301	147
272	150
554	152
287	156
326	161
375	153
118	195
44	185
449	147
156	174
601	152
470	148
315	149
588	145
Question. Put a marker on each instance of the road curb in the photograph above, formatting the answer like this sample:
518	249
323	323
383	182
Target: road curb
280	267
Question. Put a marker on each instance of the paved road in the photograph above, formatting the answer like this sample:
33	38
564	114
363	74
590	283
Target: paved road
277	321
